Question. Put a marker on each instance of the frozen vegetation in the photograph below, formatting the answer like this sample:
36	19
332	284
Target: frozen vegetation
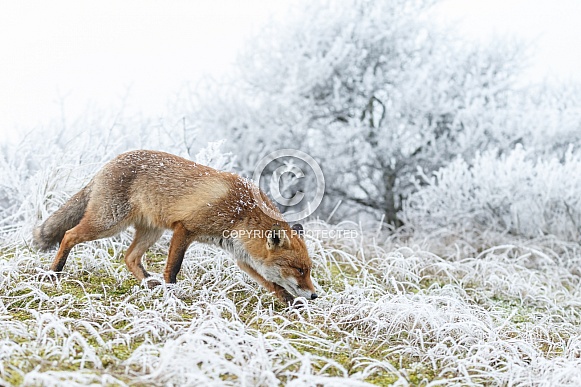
403	309
451	254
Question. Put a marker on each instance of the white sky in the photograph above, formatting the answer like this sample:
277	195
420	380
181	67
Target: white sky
554	26
92	52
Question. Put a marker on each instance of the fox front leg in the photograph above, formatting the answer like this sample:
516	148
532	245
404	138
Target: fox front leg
180	241
282	294
278	290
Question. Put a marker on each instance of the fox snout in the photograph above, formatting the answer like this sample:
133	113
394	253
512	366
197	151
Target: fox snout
298	292
308	295
298	289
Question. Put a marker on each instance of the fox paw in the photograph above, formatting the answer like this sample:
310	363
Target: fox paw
287	298
298	303
151	283
51	276
292	302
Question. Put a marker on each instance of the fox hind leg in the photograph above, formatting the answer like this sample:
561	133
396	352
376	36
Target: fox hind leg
83	232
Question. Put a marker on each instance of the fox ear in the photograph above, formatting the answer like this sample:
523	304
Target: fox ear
276	238
298	230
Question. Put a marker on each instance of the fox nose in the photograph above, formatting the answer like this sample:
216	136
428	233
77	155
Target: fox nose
313	296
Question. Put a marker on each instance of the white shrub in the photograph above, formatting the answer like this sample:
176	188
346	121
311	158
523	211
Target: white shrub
516	193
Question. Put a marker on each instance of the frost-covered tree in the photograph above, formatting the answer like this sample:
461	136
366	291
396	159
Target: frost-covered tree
371	89
551	117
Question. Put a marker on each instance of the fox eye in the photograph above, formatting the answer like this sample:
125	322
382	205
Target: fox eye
301	271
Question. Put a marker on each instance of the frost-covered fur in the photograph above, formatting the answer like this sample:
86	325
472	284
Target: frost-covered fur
153	191
68	216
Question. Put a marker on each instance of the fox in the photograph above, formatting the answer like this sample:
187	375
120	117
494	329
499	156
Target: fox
155	191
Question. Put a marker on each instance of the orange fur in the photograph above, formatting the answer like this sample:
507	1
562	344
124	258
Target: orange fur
154	191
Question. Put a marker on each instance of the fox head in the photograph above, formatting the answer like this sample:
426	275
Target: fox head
285	260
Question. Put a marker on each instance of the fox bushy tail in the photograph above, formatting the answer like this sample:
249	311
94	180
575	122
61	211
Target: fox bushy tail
68	216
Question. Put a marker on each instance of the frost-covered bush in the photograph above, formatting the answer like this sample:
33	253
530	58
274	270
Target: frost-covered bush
550	119
39	174
516	193
371	89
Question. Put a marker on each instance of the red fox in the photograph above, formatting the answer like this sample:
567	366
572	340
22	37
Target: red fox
154	191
